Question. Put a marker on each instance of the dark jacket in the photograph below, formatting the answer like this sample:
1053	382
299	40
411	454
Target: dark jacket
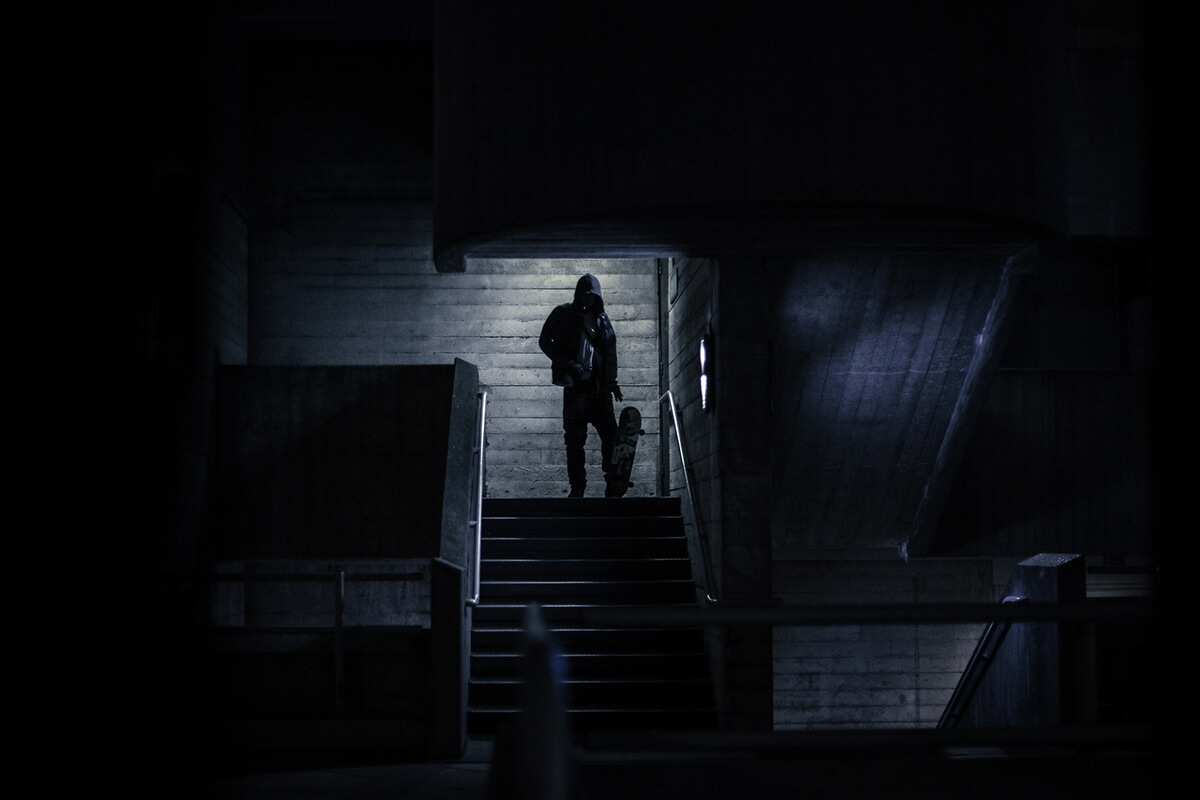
560	341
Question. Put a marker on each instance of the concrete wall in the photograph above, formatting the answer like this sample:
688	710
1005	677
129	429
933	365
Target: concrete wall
335	462
490	316
343	271
873	676
850	676
342	194
725	446
1060	387
1082	359
510	300
742	407
690	304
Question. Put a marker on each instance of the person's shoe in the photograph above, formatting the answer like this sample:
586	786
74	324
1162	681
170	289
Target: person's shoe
576	492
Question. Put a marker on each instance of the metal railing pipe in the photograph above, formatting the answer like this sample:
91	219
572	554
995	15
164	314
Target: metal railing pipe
1130	610
702	541
477	521
339	639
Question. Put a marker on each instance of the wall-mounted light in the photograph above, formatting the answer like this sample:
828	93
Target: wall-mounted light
705	371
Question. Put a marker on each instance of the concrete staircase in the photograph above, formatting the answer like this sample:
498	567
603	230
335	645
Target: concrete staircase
571	555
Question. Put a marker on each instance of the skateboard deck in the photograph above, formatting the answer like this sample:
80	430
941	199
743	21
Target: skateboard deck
629	428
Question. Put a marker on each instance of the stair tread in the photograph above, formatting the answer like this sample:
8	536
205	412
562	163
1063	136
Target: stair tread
505	582
591	519
521	606
505	537
560	629
599	654
674	711
617	709
598	681
574	563
605	528
496	506
557	609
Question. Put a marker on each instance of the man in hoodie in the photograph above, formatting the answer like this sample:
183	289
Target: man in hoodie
578	339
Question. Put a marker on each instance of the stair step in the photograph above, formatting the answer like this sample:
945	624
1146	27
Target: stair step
508	639
580	506
663	694
508	612
500	547
582	666
607	569
599	526
485	721
598	591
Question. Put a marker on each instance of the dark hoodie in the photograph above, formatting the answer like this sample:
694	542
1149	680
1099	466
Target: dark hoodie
564	332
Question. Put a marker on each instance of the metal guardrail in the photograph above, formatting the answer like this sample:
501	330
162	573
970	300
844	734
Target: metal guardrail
702	541
816	743
476	522
978	665
1139	610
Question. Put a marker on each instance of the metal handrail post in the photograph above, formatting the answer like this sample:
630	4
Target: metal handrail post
477	522
339	639
701	538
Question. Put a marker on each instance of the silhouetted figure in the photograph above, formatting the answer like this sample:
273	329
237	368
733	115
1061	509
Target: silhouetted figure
578	338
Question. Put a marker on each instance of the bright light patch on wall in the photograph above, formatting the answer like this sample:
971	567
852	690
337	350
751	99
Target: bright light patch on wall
704	373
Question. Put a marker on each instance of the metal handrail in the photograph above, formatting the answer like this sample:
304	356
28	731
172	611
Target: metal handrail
1132	610
701	538
477	522
981	660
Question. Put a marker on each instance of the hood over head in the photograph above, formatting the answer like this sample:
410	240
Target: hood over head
589	284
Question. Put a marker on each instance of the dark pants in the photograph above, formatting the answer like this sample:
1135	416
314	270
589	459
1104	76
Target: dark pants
581	406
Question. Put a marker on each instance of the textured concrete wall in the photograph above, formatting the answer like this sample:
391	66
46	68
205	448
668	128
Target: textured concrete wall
333	462
511	299
690	305
729	520
872	676
489	316
742	407
343	271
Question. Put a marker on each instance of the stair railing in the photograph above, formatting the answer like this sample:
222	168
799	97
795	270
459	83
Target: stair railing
476	521
702	540
977	667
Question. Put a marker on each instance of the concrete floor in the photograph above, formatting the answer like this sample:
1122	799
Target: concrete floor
462	779
698	774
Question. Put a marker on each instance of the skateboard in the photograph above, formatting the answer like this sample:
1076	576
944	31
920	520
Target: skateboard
629	428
